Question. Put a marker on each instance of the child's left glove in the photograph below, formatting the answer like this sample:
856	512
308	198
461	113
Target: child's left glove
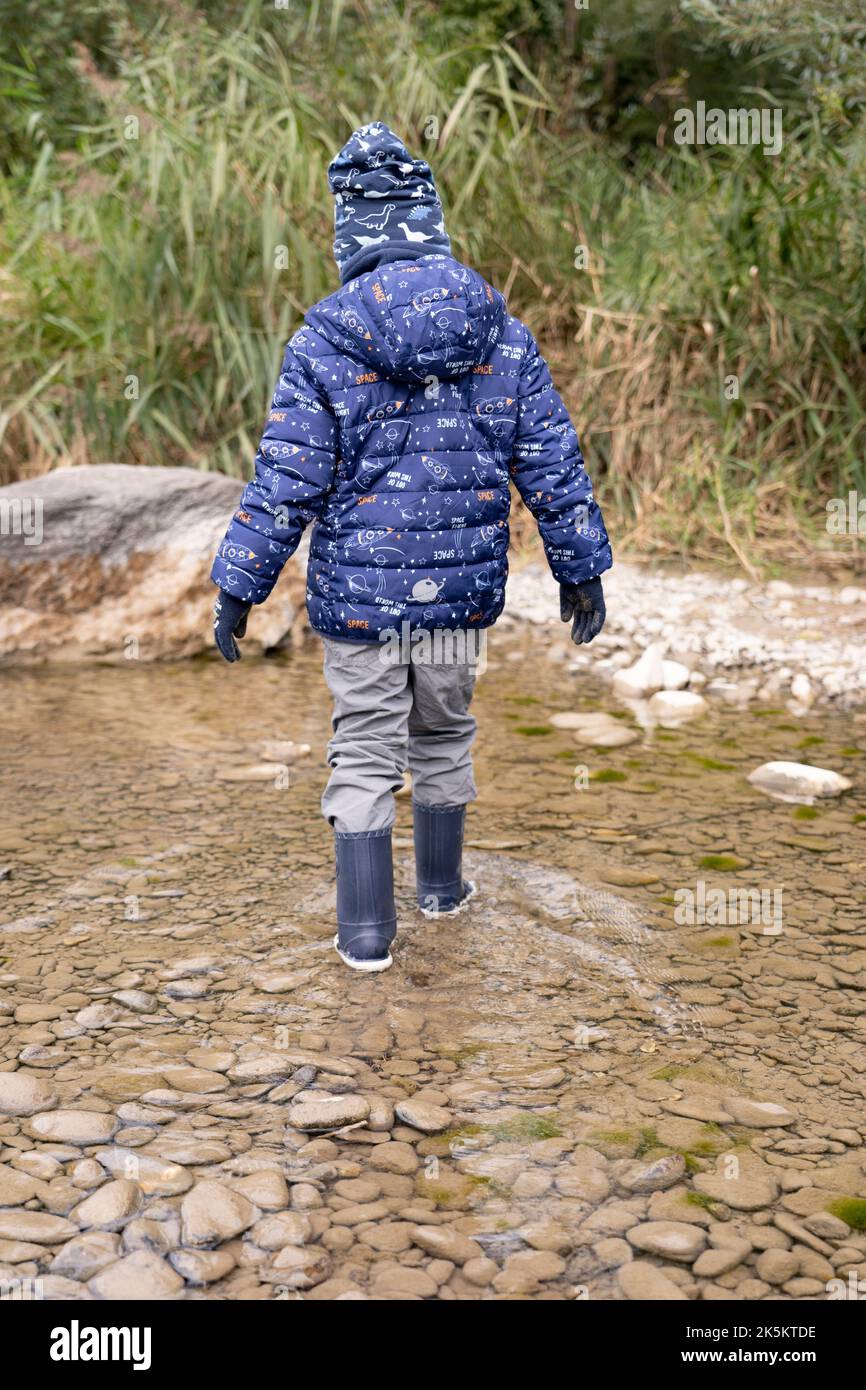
229	622
584	603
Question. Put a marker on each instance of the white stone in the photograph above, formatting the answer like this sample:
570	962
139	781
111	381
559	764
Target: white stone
676	675
644	677
567	719
798	782
802	691
254	772
612	735
284	750
676	705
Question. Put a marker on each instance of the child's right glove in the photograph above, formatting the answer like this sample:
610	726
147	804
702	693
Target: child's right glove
229	622
584	603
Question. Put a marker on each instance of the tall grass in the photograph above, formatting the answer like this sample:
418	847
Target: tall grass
153	270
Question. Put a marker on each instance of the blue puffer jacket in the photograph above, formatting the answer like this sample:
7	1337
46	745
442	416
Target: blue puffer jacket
404	403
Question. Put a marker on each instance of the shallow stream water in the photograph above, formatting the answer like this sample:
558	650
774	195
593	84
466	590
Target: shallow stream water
578	1032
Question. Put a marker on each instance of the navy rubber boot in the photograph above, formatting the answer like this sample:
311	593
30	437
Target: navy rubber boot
442	890
366	915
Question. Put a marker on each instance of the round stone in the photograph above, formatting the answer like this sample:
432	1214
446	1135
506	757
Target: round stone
141	1275
40	1227
748	1192
86	1255
588	1183
202	1266
96	1016
777	1266
23	1094
403	1279
446	1243
72	1127
759	1114
196	1079
526	1269
394	1157
211	1213
653	1177
641	1280
266	1190
110	1207
671	1240
17	1188
154	1176
327	1113
136	1000
421	1115
280	1229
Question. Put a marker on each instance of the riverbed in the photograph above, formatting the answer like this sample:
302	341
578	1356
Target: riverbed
587	1085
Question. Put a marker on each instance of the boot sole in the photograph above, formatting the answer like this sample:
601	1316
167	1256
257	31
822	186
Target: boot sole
368	967
432	912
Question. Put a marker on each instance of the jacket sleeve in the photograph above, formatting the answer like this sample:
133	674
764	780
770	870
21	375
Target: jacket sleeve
295	466
548	470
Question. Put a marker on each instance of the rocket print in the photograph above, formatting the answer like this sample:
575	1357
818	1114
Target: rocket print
402	407
407	402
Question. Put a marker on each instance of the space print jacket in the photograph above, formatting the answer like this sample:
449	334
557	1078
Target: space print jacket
405	403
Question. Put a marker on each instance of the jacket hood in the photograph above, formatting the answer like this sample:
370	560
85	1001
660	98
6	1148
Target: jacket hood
411	320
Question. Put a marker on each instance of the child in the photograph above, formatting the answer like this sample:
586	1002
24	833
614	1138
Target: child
404	402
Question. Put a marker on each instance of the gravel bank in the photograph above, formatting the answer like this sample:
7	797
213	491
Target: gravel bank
801	644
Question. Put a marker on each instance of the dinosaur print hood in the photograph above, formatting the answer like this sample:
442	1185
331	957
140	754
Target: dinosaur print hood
410	321
385	203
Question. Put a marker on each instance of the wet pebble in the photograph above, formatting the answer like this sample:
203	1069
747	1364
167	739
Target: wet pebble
72	1127
24	1094
211	1212
327	1112
141	1275
672	1240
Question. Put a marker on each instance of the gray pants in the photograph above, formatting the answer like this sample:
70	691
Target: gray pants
389	715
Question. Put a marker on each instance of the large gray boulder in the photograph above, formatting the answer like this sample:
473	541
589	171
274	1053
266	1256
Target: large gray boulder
113	562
